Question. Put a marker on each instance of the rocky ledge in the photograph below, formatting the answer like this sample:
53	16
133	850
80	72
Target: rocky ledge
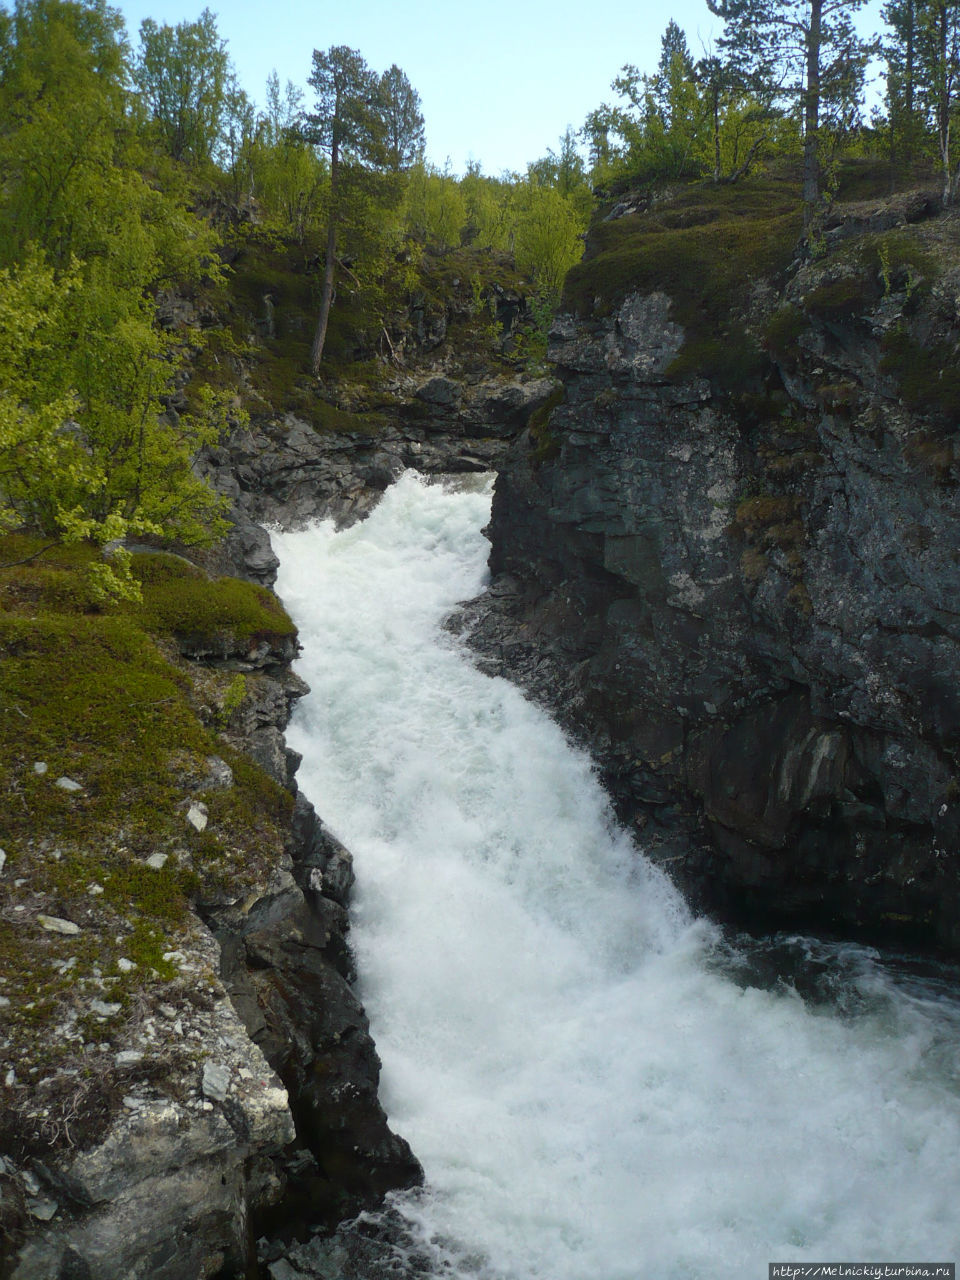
743	594
237	1089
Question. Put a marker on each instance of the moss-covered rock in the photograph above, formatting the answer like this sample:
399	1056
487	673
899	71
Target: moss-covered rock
103	752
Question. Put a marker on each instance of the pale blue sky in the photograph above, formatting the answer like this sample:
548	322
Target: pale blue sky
499	81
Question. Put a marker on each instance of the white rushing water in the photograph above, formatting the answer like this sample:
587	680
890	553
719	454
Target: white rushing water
592	1094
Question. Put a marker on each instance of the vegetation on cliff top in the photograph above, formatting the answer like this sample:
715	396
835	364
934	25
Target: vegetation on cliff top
108	739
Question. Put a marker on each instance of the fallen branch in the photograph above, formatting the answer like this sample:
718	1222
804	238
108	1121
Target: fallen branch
12	564
393	354
744	169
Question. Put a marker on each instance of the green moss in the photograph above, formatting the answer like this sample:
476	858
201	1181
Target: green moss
705	266
705	248
839	300
927	376
771	520
89	695
545	443
179	599
731	361
900	261
782	332
330	418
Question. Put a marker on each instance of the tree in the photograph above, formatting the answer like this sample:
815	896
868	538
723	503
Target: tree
85	243
547	231
402	119
905	119
923	81
939	32
804	51
184	76
288	178
344	123
675	66
434	208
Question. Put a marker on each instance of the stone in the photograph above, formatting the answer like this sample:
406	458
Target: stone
53	924
104	1009
282	1270
68	784
156	861
3	861
125	965
40	767
197	815
128	1058
42	1209
216	1081
753	627
219	774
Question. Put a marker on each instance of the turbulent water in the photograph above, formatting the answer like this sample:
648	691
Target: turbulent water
598	1086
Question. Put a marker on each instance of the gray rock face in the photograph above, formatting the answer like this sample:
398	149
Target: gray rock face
755	625
282	471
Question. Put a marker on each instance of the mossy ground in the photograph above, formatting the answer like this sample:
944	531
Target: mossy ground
704	247
98	696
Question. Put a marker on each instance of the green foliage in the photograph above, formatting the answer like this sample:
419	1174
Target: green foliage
85	240
287	176
683	122
434	208
547	239
184	77
83	453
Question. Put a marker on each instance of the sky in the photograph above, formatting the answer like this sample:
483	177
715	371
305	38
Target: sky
499	81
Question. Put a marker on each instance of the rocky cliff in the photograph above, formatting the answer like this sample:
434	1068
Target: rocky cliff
185	1060
729	557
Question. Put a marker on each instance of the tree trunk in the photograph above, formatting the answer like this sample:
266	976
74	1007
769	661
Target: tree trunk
330	266
811	117
909	86
717	166
943	99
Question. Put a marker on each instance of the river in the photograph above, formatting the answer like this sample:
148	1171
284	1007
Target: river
598	1084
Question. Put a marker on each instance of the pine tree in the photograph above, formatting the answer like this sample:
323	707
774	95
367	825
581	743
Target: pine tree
806	52
403	119
346	124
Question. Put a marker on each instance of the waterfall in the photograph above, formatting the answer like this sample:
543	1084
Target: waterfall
595	1085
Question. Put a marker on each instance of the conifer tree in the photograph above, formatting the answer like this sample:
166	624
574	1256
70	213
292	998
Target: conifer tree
402	119
804	51
346	124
